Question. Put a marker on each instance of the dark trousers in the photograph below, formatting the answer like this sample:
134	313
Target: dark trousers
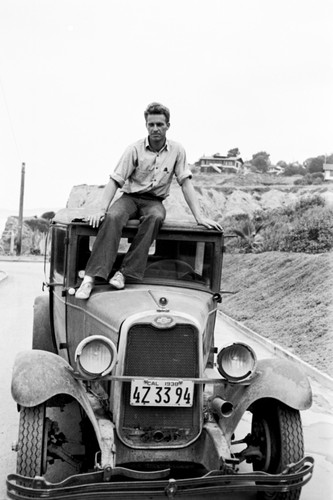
150	212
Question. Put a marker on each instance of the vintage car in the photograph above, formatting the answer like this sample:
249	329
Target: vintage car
125	395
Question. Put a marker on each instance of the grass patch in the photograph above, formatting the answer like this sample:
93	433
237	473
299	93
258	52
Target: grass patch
286	297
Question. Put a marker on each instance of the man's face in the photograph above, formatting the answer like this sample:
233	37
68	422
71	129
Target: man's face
157	127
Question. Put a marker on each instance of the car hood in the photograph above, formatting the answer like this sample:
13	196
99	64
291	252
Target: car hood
110	308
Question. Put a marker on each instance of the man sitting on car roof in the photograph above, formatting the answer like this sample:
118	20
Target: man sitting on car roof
144	174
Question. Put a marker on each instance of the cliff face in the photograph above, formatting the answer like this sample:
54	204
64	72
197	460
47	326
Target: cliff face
219	198
218	202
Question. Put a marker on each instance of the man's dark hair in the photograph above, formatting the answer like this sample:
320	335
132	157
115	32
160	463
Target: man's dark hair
155	108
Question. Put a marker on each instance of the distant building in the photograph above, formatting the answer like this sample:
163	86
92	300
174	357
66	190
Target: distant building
328	171
219	163
275	169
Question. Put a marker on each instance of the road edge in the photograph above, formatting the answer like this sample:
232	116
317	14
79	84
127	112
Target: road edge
3	275
279	351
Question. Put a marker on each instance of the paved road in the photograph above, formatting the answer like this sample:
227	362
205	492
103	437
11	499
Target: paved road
16	298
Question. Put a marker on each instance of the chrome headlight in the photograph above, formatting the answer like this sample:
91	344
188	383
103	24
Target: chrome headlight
236	362
95	356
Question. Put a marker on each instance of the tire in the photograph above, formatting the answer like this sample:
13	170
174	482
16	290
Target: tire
277	429
32	441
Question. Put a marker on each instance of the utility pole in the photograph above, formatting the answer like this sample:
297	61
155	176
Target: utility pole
20	221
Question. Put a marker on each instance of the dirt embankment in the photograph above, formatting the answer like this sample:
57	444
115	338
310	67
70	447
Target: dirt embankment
286	297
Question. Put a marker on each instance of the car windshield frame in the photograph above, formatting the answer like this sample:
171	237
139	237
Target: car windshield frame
184	255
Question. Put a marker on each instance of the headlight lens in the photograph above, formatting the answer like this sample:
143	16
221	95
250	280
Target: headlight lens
236	362
96	356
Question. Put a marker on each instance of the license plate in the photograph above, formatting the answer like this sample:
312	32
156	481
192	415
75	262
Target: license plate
151	392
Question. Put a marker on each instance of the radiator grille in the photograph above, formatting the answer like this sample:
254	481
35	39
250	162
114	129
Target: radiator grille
162	353
172	352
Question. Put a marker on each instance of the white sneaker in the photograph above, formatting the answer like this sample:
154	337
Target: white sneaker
118	281
85	290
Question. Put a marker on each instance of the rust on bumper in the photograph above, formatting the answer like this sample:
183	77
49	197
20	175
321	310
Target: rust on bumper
93	486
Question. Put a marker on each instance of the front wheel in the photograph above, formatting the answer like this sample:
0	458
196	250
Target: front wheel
32	441
277	430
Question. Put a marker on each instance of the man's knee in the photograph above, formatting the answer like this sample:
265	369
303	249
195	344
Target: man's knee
155	218
115	217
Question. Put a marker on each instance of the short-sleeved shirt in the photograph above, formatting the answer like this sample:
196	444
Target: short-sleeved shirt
143	171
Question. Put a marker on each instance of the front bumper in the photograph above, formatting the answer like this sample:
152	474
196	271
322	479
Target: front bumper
102	484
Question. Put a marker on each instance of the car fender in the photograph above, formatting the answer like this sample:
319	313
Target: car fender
277	379
40	375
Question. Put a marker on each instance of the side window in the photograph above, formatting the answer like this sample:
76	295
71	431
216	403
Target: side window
58	253
84	247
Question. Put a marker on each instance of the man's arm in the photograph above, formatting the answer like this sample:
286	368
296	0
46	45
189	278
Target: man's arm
107	196
192	201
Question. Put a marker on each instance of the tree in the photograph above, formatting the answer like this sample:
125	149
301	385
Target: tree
294	169
261	161
315	164
233	152
48	215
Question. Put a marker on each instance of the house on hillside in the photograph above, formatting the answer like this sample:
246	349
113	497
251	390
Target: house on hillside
275	169
328	171
219	163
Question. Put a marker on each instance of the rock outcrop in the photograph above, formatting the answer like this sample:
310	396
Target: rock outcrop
33	236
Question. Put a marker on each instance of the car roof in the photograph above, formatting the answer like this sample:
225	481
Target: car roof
78	216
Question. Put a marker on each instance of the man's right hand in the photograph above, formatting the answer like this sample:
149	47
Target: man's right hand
96	218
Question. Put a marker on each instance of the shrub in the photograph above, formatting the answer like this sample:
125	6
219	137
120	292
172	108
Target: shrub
34	251
306	202
312	232
304	227
304	181
249	239
317	175
275	231
35	224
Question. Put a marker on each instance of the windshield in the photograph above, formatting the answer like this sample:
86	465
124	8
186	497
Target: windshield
169	259
181	260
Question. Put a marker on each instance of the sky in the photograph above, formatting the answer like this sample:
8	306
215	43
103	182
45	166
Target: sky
76	76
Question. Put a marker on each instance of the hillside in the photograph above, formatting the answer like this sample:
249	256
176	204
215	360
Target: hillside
222	196
286	297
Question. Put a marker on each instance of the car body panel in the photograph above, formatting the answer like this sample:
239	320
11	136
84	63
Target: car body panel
276	379
106	309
